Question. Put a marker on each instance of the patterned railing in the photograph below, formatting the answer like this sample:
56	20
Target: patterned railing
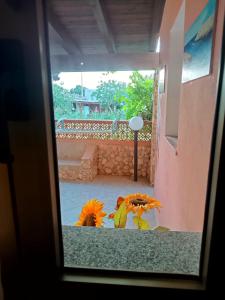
100	130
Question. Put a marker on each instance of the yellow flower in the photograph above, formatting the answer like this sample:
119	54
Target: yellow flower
139	203
91	214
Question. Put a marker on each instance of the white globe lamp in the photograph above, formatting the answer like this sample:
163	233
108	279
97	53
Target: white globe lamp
136	124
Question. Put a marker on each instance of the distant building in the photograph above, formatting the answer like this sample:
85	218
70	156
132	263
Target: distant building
83	105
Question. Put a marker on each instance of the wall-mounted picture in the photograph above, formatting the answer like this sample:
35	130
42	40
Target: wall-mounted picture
198	44
161	85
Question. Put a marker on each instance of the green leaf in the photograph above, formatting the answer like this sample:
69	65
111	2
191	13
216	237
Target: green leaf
141	223
120	218
139	97
161	229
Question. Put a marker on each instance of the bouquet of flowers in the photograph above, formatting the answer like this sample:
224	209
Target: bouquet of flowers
92	213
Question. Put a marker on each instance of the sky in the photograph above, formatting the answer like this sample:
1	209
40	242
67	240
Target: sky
92	79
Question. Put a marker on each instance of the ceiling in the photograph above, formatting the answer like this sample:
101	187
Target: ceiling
98	30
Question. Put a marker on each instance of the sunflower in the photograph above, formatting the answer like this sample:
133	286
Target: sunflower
139	203
91	214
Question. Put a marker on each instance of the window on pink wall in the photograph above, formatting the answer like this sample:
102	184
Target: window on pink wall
175	63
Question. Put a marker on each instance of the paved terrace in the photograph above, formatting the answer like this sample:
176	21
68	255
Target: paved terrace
73	195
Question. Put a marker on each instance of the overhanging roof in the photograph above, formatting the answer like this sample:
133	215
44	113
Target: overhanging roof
103	33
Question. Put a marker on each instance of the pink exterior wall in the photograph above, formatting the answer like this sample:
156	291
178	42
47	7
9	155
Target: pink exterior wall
181	173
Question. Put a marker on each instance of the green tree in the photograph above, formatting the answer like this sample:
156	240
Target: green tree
139	96
62	101
108	93
78	90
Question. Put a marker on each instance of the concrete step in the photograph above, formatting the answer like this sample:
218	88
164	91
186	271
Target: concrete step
69	169
69	162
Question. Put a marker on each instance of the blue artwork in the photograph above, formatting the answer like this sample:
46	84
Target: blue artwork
198	44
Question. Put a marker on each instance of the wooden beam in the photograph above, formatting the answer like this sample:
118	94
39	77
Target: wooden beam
103	24
68	43
158	7
105	62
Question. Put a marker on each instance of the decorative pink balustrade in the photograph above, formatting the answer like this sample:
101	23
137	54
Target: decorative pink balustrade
100	130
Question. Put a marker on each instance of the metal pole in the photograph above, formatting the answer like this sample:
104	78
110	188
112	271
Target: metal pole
135	155
81	79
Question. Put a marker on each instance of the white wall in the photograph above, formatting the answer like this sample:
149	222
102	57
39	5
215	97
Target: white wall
176	48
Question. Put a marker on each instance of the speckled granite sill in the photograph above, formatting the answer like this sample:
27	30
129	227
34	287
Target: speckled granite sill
132	250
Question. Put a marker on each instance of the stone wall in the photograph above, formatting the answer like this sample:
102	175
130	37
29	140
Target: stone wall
89	164
108	157
118	160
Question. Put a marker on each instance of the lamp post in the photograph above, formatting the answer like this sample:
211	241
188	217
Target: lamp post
81	81
136	123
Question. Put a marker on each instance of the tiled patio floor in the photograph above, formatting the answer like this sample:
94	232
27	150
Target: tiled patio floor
105	188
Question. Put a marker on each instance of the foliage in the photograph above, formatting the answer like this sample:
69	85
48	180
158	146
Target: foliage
117	100
62	101
120	217
108	94
141	223
76	115
78	90
139	97
115	115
